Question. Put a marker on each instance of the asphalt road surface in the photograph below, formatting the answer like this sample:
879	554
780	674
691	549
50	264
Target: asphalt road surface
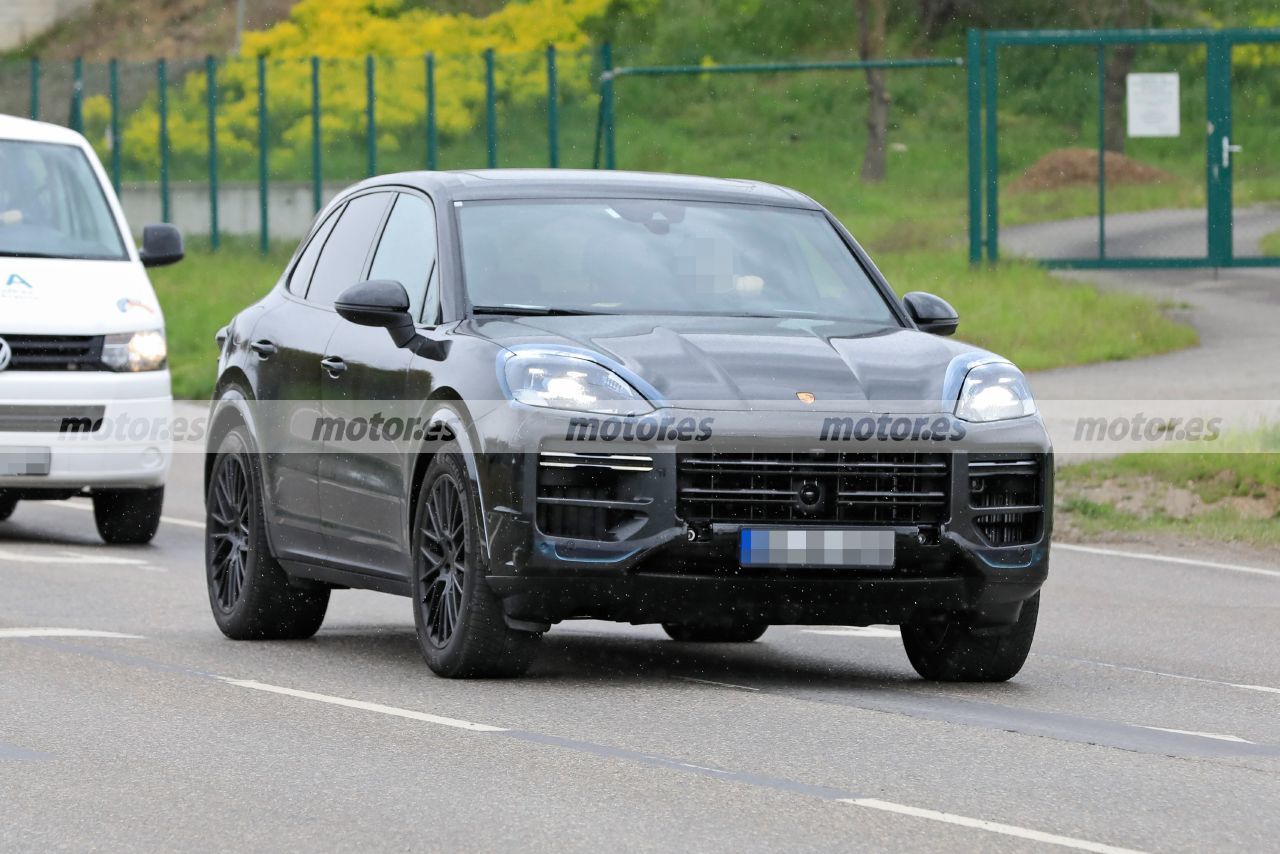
1148	717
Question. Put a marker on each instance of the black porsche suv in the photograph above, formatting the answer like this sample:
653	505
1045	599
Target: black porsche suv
520	397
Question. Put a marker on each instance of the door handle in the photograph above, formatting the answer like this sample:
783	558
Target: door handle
1227	150
334	365
264	348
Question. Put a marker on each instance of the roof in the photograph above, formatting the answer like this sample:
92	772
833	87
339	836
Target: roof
12	127
591	183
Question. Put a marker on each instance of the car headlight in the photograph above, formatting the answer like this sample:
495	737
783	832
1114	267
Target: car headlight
135	351
994	392
560	381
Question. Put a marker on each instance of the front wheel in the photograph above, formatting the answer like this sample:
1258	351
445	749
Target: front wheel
727	631
127	517
7	504
951	651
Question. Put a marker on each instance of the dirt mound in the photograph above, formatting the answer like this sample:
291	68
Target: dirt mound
1077	167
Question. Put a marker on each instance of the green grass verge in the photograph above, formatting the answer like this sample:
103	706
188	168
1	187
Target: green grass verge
1271	244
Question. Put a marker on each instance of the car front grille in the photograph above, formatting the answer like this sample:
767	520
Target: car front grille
591	496
819	488
55	352
1005	492
50	419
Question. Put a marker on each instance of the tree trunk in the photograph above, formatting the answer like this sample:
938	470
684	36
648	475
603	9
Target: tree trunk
871	26
1120	61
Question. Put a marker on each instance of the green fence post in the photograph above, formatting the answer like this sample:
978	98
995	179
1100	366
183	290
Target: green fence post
317	170
490	111
1218	179
606	106
263	235
1102	151
553	109
113	84
370	117
162	109
993	158
432	141
35	88
973	72
211	104
76	119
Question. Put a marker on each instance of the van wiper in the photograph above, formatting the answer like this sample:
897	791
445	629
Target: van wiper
531	311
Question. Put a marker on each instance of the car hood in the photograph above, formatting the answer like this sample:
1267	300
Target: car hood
55	296
733	363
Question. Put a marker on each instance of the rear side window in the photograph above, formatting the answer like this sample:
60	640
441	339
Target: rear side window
407	252
342	258
300	279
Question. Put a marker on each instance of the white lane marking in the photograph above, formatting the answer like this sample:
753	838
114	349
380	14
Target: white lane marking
1263	688
1214	735
989	826
64	633
79	559
717	684
72	504
363	706
1185	561
857	632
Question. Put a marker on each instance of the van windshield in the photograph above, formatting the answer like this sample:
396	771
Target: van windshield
52	206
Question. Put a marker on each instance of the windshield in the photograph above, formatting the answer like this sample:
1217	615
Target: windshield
639	256
52	206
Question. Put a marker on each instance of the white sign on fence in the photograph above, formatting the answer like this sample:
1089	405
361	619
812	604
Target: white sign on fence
1153	104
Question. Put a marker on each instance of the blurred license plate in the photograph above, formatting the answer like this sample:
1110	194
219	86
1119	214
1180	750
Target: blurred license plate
810	547
24	462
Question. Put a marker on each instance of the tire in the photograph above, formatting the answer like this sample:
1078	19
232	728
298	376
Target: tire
953	652
720	632
249	593
462	631
127	517
7	505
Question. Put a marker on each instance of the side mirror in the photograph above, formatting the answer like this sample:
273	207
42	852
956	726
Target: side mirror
382	302
161	245
931	314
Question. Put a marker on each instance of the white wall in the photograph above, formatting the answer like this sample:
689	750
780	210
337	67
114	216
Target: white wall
290	207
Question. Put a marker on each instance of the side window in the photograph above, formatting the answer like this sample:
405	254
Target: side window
344	253
300	279
407	252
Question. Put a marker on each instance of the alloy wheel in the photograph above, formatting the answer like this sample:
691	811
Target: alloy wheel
442	558
230	507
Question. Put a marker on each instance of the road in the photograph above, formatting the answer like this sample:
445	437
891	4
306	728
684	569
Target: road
1147	718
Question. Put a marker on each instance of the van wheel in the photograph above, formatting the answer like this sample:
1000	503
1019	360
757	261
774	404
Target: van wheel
462	631
7	504
127	517
250	594
719	632
950	651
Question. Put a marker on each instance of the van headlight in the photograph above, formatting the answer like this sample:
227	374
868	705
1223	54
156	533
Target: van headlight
135	351
561	381
994	392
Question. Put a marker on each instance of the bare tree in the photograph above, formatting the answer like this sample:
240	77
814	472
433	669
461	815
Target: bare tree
871	37
1111	14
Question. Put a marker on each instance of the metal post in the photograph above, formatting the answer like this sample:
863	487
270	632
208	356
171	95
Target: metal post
553	109
993	158
35	88
162	109
432	140
490	111
76	119
317	166
211	92
1102	151
1220	249
370	116
973	72
263	235
606	106
113	86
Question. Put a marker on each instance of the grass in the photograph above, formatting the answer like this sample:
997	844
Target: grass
1271	244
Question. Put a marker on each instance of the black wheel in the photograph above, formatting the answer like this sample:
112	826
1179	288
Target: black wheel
461	628
727	631
250	594
950	651
127	517
7	503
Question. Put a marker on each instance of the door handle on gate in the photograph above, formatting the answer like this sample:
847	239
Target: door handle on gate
263	347
334	365
1227	150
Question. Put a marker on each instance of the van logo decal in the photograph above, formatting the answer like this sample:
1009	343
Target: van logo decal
15	279
124	304
6	354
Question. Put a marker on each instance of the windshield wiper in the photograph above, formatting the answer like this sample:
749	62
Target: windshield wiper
531	311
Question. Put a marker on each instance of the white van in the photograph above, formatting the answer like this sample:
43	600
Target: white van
85	402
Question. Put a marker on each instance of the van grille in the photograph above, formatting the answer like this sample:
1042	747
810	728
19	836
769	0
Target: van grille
55	352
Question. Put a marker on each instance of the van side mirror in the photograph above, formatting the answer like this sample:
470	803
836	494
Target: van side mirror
161	245
931	313
385	303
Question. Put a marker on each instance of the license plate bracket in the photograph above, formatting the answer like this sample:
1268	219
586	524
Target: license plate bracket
817	547
25	462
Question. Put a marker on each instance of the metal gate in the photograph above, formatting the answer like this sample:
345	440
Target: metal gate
1227	148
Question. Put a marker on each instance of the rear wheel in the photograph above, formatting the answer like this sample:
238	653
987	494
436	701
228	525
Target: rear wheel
728	631
462	631
951	651
7	503
250	594
127	516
